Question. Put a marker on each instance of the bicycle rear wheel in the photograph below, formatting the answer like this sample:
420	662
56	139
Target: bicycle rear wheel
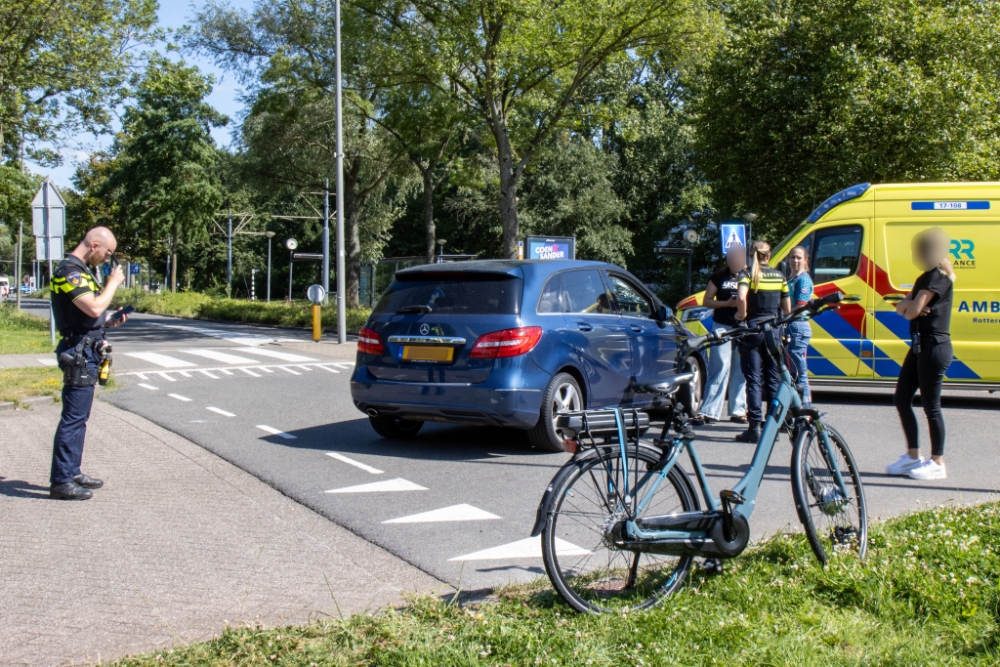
833	523
586	569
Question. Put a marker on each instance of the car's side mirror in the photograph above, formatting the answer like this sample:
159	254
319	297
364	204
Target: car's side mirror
664	313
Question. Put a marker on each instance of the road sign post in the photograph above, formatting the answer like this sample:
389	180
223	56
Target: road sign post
48	220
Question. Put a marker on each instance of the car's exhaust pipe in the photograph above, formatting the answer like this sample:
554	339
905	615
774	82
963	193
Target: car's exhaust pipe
372	412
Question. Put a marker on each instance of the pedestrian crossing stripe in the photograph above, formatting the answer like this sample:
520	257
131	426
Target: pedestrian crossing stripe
530	547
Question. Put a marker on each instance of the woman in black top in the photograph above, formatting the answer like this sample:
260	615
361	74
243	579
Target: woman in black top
723	368
928	308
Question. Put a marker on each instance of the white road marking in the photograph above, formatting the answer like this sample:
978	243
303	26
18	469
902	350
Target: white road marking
226	371
286	368
148	386
530	547
220	412
160	359
461	512
47	361
356	464
327	368
141	376
250	372
231	336
179	397
185	374
221	356
284	356
344	364
305	368
266	369
398	484
209	374
166	376
274	431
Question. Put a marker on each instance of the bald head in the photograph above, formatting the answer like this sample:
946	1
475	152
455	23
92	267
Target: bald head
96	246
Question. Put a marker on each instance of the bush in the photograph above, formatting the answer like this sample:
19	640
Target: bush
202	306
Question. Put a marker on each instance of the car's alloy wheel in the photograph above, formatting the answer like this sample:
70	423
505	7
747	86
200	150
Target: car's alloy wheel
562	395
692	393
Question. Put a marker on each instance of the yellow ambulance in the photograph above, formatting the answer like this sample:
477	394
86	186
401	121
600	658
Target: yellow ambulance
858	242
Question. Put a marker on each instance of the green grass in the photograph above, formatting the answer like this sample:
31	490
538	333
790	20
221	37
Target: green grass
21	333
928	594
203	306
17	384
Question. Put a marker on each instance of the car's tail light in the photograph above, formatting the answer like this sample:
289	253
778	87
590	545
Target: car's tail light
369	342
506	343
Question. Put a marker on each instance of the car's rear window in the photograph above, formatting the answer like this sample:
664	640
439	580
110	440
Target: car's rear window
455	295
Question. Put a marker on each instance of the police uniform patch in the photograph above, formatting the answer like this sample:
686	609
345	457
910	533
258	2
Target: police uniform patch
74	279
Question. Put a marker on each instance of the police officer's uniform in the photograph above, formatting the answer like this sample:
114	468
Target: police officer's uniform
80	363
759	369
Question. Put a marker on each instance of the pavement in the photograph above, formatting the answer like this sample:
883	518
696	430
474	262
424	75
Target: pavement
177	545
458	502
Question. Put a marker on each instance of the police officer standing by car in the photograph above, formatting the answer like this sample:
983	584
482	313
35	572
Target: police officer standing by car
78	306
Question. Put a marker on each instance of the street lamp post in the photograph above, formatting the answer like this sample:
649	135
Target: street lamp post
291	244
269	235
441	243
749	218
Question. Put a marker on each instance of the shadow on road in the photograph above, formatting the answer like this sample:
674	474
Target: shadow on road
966	401
17	488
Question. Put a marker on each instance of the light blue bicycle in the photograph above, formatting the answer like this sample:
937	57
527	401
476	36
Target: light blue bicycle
621	522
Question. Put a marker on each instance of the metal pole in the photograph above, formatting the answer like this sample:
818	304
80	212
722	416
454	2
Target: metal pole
269	270
289	276
326	239
229	257
690	252
253	284
20	259
341	283
48	253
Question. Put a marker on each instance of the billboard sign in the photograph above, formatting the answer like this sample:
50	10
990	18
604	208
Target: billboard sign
550	247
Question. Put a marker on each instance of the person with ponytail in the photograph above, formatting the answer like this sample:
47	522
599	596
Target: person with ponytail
762	293
928	309
799	330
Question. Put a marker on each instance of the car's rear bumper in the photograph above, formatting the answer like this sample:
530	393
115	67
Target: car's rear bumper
507	398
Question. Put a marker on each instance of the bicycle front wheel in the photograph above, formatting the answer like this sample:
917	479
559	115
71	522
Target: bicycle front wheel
835	522
586	568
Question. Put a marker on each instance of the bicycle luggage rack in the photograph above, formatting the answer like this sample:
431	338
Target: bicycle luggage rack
587	425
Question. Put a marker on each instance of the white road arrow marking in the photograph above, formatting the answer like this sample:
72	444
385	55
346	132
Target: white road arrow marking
461	512
530	547
398	484
356	464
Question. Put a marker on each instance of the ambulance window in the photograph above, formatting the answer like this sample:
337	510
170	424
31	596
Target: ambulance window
835	253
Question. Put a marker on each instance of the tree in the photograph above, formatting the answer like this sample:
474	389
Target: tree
63	65
807	97
523	66
164	182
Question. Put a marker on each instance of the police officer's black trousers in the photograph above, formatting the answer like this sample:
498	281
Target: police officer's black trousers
926	372
67	449
761	373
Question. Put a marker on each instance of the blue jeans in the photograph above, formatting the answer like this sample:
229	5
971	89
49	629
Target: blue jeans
799	335
724	370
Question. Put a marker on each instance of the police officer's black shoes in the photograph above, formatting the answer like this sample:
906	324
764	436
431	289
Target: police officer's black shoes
88	482
69	491
751	435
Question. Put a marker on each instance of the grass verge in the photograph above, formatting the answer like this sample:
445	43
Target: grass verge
926	595
203	306
17	384
21	333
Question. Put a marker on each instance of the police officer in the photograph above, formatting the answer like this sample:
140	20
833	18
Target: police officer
761	292
79	305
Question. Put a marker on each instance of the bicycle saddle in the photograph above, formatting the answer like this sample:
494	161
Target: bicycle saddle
668	386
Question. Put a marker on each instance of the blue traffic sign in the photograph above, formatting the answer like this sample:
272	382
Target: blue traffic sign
730	234
134	269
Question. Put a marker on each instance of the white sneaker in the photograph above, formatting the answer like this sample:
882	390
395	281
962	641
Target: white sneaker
929	470
904	465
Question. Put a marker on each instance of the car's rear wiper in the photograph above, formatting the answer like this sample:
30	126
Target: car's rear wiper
414	309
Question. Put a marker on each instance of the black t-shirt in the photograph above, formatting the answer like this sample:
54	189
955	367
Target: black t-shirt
937	325
726	283
71	280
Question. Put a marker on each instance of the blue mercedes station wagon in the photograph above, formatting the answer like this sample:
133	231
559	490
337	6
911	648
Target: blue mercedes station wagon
511	343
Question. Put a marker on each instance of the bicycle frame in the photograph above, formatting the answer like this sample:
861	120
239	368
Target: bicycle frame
748	486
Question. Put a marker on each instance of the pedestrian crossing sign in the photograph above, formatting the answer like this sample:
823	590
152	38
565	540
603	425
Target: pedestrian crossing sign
732	234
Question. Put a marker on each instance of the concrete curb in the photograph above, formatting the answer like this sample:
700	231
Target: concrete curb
33	400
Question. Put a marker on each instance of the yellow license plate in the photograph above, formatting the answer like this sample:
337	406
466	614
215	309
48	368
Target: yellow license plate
428	353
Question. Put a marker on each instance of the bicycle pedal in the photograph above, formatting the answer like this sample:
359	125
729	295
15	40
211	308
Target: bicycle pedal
732	497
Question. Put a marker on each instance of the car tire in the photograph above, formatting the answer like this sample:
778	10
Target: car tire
398	429
692	394
562	395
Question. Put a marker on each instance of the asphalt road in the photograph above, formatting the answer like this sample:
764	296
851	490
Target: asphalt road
290	422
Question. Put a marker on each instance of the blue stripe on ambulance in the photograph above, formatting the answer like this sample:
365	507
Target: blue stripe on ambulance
959	371
838	328
894	322
818	365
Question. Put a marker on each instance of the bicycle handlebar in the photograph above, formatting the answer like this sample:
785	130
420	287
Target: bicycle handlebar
814	307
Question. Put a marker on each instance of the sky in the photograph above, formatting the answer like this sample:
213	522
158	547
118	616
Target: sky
224	97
